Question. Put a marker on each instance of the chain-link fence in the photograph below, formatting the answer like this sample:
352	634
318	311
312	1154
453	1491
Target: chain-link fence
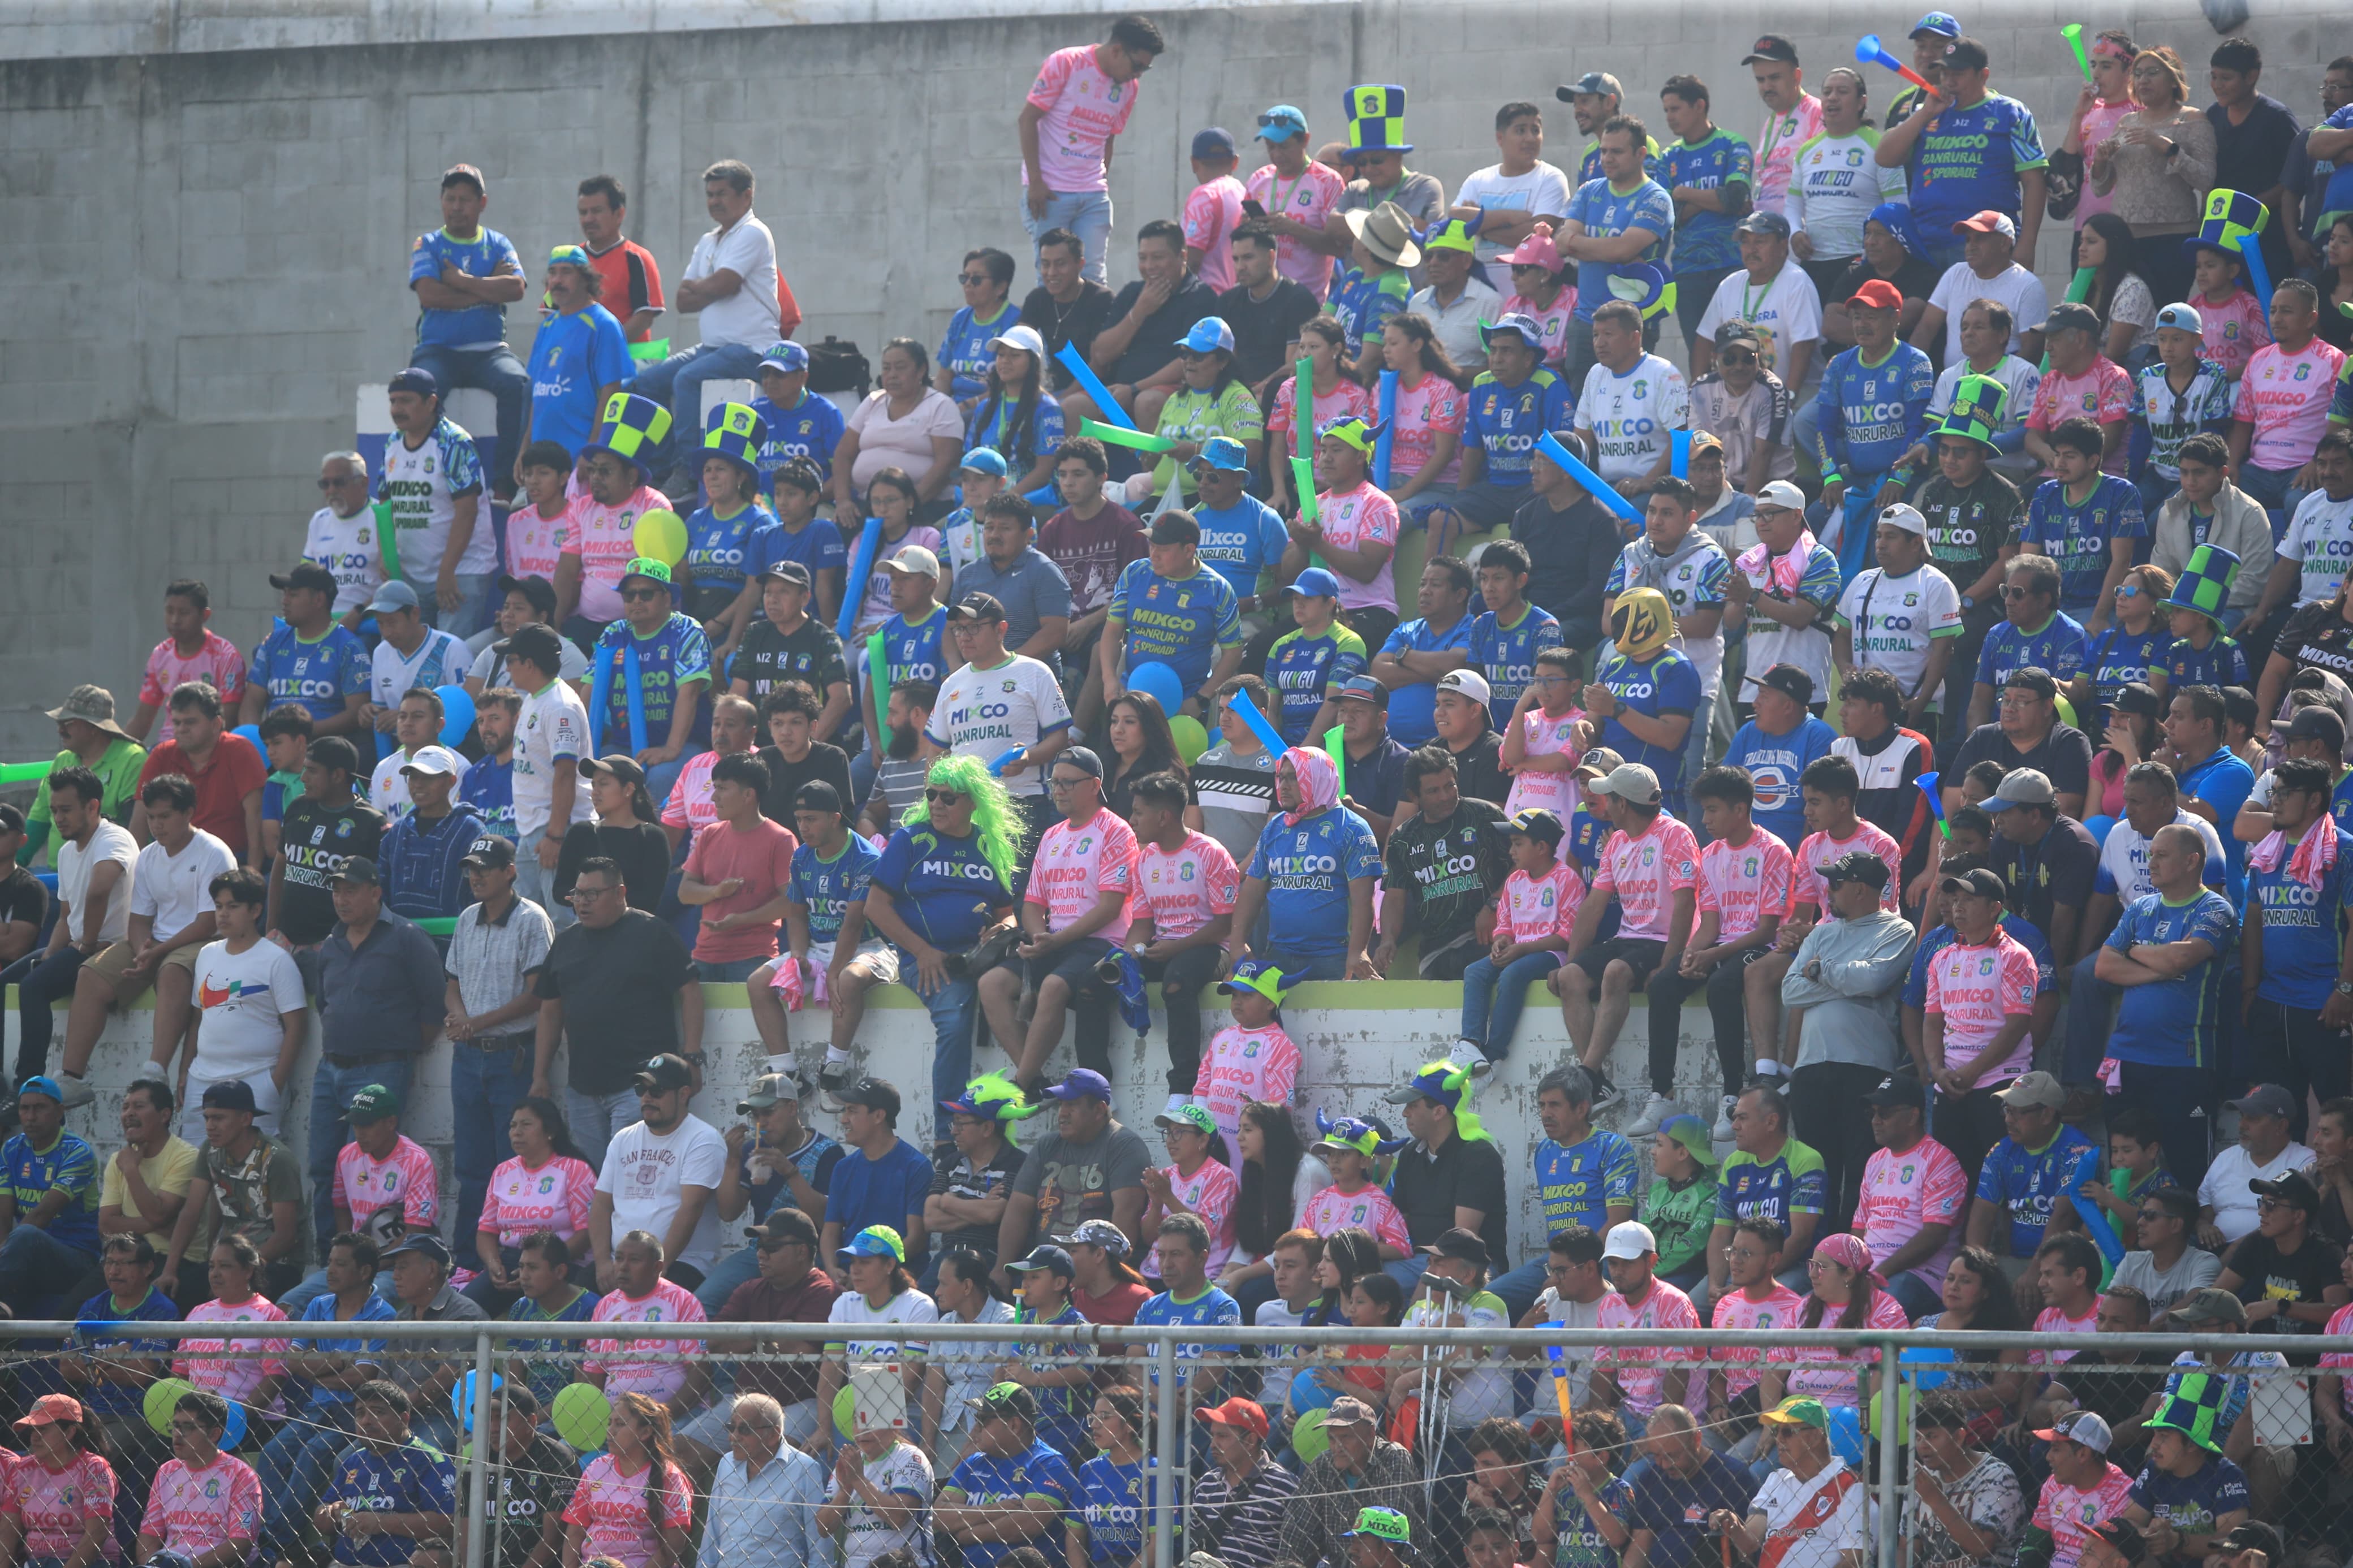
304	1412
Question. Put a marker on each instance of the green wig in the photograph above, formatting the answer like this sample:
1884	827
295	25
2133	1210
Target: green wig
994	817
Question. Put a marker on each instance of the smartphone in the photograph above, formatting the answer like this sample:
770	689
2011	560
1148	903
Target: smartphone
1253	207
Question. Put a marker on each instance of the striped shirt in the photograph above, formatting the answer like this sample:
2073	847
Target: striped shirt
1241	1522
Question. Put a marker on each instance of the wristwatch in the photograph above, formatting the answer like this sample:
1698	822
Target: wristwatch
2345	988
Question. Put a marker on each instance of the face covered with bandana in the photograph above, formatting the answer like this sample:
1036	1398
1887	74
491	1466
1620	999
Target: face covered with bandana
1304	784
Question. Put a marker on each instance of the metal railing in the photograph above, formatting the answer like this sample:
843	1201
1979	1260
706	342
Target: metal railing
1167	1357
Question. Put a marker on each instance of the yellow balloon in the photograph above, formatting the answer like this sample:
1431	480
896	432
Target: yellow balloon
660	535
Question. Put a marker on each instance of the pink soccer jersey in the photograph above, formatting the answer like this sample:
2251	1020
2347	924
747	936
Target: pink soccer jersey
1646	873
2072	1517
218	664
555	1198
667	1302
1212	212
1976	989
2285	398
1352	520
232	1376
1544	734
1077	863
1534	907
403	1184
1082	110
1641	1370
1832	1375
1743	883
1819	849
1368	1208
1210	1193
54	1506
2055	1320
534	542
1182	889
1242	1065
1924	1185
2235	329
2340	1324
1425	413
1778	1310
613	1506
192	1511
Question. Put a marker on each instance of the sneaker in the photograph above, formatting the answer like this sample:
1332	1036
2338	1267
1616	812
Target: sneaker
78	1091
1722	1132
1605	1093
1478	1067
835	1077
1176	1104
1655	1109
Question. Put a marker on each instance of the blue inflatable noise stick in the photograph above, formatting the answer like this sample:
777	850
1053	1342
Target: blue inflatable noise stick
862	567
1595	485
1091	384
1269	736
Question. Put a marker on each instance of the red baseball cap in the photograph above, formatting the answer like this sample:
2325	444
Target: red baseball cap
1988	222
1244	1413
1879	294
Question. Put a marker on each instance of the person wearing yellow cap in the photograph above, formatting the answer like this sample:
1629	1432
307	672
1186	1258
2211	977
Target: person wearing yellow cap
1812	1513
673	660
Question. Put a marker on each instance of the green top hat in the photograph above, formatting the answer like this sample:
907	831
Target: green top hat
735	432
2205	581
1377	118
1976	413
2194	1409
631	427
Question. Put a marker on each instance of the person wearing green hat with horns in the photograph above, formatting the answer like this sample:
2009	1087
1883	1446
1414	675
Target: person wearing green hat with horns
1970	510
672	660
1451	1177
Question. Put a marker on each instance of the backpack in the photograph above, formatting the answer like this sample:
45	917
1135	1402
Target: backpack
837	366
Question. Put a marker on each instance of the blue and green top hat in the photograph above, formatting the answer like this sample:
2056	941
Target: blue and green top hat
1649	289
1377	118
2195	1408
2205	581
1976	413
2229	216
735	432
631	428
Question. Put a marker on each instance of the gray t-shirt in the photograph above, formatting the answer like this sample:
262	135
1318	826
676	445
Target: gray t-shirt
1236	795
1073	1182
1031	588
2193	1270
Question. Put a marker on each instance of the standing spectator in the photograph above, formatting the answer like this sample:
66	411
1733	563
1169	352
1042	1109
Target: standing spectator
1091	539
615	477
1080	103
737	873
49	1207
2252	135
1976	1036
1444	864
1664	604
1136	351
1617	225
880	1180
1793	117
1835	186
308	660
432	488
191	653
1299	194
2153	168
1503	204
252	1008
421	851
324	827
1968	150
500	942
551	737
657	1177
489	786
1631	401
2281	412
343	537
733	284
1649	865
567	394
1312	876
2291	953
381	1005
415	722
227	771
632	278
1709	172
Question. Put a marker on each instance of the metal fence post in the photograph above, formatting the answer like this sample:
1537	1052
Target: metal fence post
478	1505
1891	1438
1168	1446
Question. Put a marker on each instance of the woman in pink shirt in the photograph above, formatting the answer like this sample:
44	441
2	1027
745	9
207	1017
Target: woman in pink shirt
60	1495
1542	292
1846	1295
1331	396
1200	1181
1426	439
634	1503
247	1371
547	1186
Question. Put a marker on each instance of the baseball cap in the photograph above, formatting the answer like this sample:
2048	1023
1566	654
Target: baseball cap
1189	1114
915	561
539	644
1361	689
2028	1090
1781	493
2264	1100
1790	682
1280	123
41	1083
416	380
1045	1257
1878	294
2140	696
372	1105
1347	1411
1455	1242
621	765
1764	220
1798	1411
1770	47
1905	517
1987	222
334	753
877	1241
985	608
1984	882
1857	865
794	572
787	356
2185	317
1005	1399
1246	1414
1257	974
1941	22
310	574
1082	758
2080	1426
538	590
230	1094
872	1094
651	570
1101	1233
12	820
1209	335
1897	1090
434	762
1222	453
2023	786
2072	315
2322	724
1521	326
1216	141
984	460
817	794
2293	1187
425	1243
1630	1240
773	1088
1469	683
1629	781
663	1073
1693	1135
1174	527
1315	582
1536	822
490	852
468	173
1022	336
50	1408
2211	1304
1084	1083
358	871
1590	83
392	595
2034	678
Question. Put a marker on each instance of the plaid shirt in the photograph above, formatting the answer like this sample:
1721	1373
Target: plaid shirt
1327	1502
492	960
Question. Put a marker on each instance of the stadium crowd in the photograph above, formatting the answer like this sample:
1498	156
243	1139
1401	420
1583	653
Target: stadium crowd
1069	672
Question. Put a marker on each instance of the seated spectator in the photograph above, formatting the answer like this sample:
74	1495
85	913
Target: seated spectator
1771	296
664	1370
298	1459
987	280
1894	252
63	1497
1531	925
94	742
432	489
764	1493
1136	350
1015	415
1769	1175
1971	1497
1630	400
1372	286
634	1504
2278	417
245	1184
1632	1380
535	542
658	1176
716	587
798	535
192	654
2306	570
838	956
2188	1485
420	1284
617	488
1069	304
1778	745
535	1479
2282	1273
2168	1265
1239	1502
543	1274
1913	1190
738	873
1648	871
1007	1481
1812	1496
546	1189
227	771
414	656
671	713
405	1490
794	756
1199	1181
416	723
880	1180
1455	301
1089	1168
788	1289
1988	270
342	537
96	887
1056	1375
1172	609
1419	651
881	1292
2022	1190
1317	902
968	1197
111	1370
50	1204
206	1505
2082	383
1092	541
2029	734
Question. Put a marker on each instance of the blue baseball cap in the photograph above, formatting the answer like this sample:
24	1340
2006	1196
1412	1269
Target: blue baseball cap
1084	1083
41	1083
1941	22
1222	452
1316	582
786	356
1208	335
1523	326
982	460
1280	123
420	381
1362	689
1217	142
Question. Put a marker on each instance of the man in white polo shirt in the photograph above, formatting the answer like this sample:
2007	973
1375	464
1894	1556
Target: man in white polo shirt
1902	615
551	737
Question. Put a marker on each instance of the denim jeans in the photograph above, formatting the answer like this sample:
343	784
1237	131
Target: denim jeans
595	1118
1299	966
485	1086
1493	999
955	1013
330	1093
1086	213
42	980
2274	490
537	883
740	1266
294	1468
677	384
1911	1289
36	1267
473	611
497	371
2090	1005
1519	1288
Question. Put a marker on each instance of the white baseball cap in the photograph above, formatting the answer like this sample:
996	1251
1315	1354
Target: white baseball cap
1783	494
916	559
434	760
1468	682
1629	781
1906	518
1630	1240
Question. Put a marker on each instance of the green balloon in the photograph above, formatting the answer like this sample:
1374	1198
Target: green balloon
845	1413
1308	1438
162	1398
1191	738
582	1415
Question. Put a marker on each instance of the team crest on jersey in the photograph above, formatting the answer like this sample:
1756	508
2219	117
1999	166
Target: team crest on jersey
1009	686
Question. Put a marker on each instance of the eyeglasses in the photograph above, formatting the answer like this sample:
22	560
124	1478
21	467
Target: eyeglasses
1736	356
1067	783
2012	591
942	796
640	595
2265	1205
331	481
749	1427
589	895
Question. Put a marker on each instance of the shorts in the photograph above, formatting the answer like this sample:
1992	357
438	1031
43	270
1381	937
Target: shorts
1487	505
875	956
1415	511
1640	954
1075	963
113	961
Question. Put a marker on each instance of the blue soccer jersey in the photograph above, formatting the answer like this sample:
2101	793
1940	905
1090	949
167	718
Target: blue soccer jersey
1241	542
1302	668
2057	646
915	650
1969	159
810	428
2027	1183
1307	868
828	887
2222	662
1184	623
2120	658
1577	1184
1868	415
1704	241
1413	710
1505	422
571	358
476	326
965	352
676	655
313	673
2171	1023
1506	656
2077	535
1666	683
942	888
1606	212
2302	920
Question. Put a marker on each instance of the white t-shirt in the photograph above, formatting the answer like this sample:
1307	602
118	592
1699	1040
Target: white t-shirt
112	841
985	713
347	547
910	1306
388	787
171	889
2321	538
1894	619
748	316
1630	415
2225	1190
1786	313
2021	291
439	661
969	1365
903	1472
644	1174
551	732
243	997
1835	184
1543	190
2124	855
1809	1523
2019	380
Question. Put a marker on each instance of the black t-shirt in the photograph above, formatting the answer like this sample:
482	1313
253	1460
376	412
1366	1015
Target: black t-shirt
1479	768
2059	871
768	658
641	847
1427	1191
1916	279
1571	554
965	1180
823	762
2064	756
2319	637
2117	1396
1448	871
1076	322
617	984
1264	328
2295	1279
533	1492
1966	528
314	842
1154	343
23	898
2250	156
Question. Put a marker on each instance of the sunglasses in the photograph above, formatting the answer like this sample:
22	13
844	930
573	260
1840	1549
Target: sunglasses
640	595
589	895
2012	591
2128	591
942	796
972	279
1736	356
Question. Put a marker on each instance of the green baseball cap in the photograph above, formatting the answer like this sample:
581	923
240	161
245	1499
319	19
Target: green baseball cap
1382	1524
372	1105
1798	1413
648	567
1195	1117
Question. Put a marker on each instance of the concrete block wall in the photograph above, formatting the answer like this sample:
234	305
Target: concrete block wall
204	213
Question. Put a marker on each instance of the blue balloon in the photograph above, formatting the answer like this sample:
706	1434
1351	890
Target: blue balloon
461	1397
2098	827
458	713
1846	1433
1161	681
1925	1356
251	732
